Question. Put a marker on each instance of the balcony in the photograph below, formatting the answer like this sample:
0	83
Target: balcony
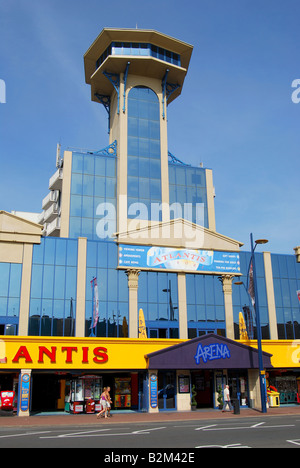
51	213
55	182
51	198
40	219
53	228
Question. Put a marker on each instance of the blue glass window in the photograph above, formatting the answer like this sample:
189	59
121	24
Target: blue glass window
286	276
102	258
144	166
205	305
93	184
139	49
158	297
53	288
241	298
187	185
10	291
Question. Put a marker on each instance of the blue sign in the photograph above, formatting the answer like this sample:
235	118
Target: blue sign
212	352
25	392
141	256
153	391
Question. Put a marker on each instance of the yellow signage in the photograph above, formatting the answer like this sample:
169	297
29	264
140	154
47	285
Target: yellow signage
110	353
243	328
77	353
142	325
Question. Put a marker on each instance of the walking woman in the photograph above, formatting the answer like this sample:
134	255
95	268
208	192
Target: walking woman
103	401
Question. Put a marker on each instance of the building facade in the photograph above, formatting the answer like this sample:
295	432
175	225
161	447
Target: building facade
132	228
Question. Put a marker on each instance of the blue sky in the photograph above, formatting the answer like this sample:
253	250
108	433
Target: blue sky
235	113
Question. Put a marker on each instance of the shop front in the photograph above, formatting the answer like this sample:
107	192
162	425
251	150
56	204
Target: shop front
69	374
202	367
80	392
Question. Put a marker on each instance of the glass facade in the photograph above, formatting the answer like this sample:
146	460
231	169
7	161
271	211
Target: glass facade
53	288
93	196
205	305
10	290
158	297
144	157
102	260
141	49
241	298
286	277
188	186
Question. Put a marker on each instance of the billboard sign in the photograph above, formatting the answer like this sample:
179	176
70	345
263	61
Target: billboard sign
162	258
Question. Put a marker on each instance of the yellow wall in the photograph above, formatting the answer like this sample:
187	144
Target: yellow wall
109	353
286	353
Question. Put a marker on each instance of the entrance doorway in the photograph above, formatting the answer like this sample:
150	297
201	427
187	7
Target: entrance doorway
45	392
238	384
166	390
203	382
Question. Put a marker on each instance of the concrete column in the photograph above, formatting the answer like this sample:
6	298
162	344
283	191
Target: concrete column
81	287
183	399
210	200
227	290
254	389
297	253
270	296
66	195
133	281
25	290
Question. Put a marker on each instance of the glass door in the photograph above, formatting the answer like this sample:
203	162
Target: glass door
238	384
166	390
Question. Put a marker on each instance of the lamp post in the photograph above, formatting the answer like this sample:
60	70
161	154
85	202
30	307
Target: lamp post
255	303
262	376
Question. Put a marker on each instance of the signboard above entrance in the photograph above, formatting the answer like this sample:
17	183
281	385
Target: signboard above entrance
208	352
158	258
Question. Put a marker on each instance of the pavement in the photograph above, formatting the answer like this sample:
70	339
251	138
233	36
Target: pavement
65	419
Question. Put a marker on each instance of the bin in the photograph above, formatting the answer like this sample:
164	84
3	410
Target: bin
274	399
236	406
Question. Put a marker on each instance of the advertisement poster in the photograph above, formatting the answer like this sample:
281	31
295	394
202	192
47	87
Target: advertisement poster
123	392
25	392
153	391
140	256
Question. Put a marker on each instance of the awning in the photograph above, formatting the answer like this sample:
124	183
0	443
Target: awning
208	352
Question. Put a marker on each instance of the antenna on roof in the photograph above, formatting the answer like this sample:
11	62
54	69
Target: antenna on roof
58	156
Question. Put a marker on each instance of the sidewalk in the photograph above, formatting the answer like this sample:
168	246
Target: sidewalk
65	419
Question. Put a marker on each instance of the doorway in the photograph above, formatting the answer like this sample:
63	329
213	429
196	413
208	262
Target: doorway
238	385
166	390
203	382
45	392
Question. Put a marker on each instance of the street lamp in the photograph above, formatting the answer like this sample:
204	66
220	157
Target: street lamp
262	375
255	302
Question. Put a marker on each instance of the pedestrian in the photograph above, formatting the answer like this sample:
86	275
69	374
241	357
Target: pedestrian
109	402
227	399
103	402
